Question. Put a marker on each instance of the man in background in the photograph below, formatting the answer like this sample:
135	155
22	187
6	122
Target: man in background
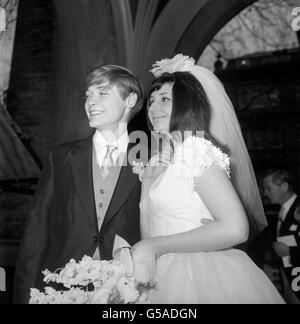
278	188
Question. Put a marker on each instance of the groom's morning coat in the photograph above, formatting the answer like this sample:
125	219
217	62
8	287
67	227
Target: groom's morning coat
62	222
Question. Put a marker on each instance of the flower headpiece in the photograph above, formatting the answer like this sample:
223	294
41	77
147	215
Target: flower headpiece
179	63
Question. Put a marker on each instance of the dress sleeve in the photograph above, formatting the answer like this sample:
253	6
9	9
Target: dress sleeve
197	154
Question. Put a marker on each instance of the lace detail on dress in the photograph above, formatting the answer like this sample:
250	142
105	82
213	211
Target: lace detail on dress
197	154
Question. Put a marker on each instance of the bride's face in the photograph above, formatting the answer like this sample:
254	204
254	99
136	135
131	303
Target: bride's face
160	108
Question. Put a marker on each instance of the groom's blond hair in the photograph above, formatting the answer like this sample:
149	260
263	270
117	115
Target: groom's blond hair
126	82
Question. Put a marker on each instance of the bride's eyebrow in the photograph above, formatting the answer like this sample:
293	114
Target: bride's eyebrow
159	94
164	93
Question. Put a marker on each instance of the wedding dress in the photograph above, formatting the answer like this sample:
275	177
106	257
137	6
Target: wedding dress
169	205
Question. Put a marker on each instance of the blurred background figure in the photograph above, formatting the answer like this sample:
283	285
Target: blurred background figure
279	189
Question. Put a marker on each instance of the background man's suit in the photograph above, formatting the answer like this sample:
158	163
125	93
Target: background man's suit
62	223
286	229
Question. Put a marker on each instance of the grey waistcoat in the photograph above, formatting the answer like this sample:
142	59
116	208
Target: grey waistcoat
103	191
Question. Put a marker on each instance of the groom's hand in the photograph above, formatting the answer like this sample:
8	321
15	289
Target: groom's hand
143	245
143	255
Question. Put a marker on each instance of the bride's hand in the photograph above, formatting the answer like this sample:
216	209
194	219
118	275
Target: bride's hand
143	255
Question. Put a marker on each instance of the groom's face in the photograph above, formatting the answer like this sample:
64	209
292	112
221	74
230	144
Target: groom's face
105	108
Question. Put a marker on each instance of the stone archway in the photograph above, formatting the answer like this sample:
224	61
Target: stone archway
151	30
192	42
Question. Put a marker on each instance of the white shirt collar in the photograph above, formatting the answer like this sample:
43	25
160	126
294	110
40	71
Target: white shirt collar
100	144
287	205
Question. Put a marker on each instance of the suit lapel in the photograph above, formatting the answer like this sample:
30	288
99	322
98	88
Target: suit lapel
81	163
125	184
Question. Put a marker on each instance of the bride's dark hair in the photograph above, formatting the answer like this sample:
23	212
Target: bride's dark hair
191	109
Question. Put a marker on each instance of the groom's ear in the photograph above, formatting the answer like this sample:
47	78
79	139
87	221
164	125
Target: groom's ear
131	100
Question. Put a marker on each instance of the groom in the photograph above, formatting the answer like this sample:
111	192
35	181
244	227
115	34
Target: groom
87	194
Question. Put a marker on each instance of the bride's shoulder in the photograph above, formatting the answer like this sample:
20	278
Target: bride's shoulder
196	154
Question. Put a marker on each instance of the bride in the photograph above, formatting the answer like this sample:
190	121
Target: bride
196	261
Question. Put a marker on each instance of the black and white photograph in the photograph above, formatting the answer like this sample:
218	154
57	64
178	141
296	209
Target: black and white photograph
150	154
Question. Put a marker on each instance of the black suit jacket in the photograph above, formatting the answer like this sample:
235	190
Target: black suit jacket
62	222
286	230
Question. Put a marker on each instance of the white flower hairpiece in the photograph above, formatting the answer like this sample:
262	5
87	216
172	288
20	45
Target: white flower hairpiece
179	63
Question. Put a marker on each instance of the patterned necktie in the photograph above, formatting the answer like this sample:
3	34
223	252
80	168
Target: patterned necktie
280	220
108	161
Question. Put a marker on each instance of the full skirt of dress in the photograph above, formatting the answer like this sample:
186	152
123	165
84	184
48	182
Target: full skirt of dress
223	277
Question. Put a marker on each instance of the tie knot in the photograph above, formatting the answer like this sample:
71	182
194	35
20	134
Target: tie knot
110	149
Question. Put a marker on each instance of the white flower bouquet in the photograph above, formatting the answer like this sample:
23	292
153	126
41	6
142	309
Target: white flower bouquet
96	282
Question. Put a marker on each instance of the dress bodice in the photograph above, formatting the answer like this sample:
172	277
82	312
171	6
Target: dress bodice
169	203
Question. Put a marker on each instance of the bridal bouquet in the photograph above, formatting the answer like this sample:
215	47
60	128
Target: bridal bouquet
96	282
